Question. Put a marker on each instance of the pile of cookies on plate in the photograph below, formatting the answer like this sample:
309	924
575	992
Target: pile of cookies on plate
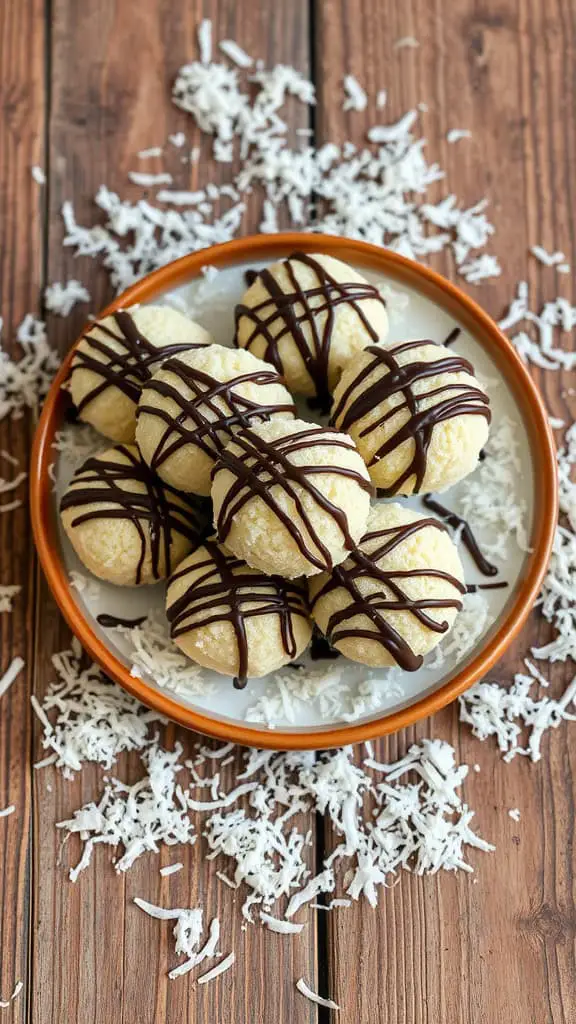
262	523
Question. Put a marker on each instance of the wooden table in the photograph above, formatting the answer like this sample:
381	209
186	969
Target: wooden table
83	86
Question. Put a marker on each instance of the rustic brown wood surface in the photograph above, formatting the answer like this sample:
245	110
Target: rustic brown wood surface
82	88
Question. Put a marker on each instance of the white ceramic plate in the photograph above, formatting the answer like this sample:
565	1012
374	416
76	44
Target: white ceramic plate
347	691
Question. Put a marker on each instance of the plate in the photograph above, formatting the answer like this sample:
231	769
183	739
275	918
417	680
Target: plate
322	703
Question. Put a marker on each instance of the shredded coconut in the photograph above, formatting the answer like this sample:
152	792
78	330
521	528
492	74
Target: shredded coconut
153	654
455	134
205	40
514	813
370	193
11	674
92	719
5	1003
549	259
406	43
235	53
276	924
490	501
38	175
187	934
470	624
7	811
354	96
481	268
557	602
171	869
558	316
220	968
314	997
61	298
88	586
138	817
76	442
24	382
146	154
150	180
7	594
494	710
325	690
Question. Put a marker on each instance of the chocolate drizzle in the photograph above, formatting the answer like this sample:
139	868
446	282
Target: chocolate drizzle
154	512
112	621
388	595
126	369
228	591
249	277
473	587
284	315
453	400
212	415
263	466
320	649
452	337
468	539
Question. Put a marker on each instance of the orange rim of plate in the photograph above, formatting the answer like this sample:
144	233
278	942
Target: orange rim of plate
543	454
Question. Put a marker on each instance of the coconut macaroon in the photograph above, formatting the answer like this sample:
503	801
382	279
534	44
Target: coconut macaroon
290	498
195	403
396	596
417	414
233	619
124	524
308	316
117	355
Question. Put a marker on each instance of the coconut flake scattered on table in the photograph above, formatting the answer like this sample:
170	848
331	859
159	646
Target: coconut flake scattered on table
38	175
422	826
187	934
5	1003
314	997
354	96
370	193
11	674
555	317
456	134
24	382
61	298
7	594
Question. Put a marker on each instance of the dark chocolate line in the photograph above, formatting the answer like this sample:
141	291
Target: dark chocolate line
473	587
126	370
452	337
230	411
363	566
111	621
468	539
399	379
263	465
287	314
227	591
154	512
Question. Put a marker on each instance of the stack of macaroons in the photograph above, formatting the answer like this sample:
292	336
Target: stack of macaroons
296	538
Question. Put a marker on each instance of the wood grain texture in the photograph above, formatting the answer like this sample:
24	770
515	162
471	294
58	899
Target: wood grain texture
444	949
110	961
22	125
439	950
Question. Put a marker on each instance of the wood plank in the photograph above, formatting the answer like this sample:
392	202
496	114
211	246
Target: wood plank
22	124
444	949
111	71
